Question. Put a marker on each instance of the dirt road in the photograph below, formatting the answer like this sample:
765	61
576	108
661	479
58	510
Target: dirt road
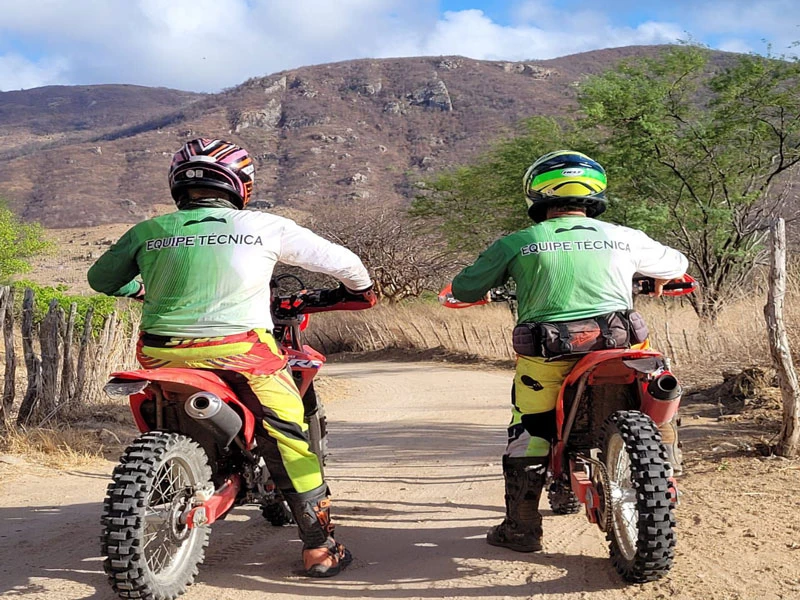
416	480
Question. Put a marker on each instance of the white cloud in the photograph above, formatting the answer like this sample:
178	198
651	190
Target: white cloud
749	26
210	44
17	72
735	45
206	44
473	34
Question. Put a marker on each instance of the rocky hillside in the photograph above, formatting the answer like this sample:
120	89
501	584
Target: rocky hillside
357	131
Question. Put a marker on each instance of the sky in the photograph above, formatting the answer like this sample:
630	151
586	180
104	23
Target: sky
209	45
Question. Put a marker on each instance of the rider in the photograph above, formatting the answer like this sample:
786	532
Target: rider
207	269
567	267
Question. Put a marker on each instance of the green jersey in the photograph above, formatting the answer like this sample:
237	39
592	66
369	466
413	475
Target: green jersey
206	271
569	268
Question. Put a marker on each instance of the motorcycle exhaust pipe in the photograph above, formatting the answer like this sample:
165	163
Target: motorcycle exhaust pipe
216	416
665	387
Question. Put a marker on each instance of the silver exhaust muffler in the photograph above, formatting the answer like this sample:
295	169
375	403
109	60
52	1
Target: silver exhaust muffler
216	416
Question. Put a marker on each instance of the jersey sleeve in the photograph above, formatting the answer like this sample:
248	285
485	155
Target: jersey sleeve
654	259
301	247
113	273
489	270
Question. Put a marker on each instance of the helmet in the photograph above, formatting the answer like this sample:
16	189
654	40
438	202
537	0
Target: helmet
564	177
215	164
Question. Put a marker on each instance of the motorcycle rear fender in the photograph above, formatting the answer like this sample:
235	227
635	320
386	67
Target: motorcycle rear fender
613	366
184	382
602	366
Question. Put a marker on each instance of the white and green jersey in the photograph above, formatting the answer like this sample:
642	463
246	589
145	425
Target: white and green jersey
207	270
569	268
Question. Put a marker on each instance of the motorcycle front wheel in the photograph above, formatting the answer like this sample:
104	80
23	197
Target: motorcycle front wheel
641	536
148	552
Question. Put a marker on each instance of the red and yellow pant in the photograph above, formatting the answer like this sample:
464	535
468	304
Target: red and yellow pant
254	367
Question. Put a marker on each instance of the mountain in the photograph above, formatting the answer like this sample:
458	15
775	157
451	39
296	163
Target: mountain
355	131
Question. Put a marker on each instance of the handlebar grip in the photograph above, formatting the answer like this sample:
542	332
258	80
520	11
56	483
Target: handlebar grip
647	285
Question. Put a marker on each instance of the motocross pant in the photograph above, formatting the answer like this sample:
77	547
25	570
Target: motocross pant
537	383
255	369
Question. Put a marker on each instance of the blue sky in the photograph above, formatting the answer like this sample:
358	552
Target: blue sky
207	45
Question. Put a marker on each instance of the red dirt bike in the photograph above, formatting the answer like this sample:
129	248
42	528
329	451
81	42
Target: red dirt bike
608	454
198	457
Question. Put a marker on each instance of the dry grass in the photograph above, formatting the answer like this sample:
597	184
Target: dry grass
60	448
421	326
701	352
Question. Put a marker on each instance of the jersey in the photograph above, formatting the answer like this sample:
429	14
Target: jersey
206	271
569	268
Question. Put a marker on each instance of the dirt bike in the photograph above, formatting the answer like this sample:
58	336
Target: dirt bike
198	457
608	453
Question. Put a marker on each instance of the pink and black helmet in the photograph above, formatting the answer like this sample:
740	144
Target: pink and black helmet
212	164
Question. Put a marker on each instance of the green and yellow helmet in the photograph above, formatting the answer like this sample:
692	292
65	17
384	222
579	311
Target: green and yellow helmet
564	177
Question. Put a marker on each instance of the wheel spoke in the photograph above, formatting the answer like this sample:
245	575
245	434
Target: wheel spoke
159	544
622	494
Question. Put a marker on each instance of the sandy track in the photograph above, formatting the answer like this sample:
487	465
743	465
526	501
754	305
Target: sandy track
416	479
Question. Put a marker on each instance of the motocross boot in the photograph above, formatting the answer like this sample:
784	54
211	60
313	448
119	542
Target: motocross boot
521	530
669	437
322	556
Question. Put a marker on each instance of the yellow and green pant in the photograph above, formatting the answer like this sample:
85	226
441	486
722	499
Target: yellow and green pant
272	396
537	383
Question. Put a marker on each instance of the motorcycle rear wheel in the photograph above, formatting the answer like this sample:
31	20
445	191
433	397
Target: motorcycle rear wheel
641	537
148	552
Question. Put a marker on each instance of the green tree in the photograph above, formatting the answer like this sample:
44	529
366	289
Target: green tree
699	148
477	203
699	154
18	242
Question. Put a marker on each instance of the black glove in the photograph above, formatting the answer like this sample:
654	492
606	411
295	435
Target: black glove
345	294
365	296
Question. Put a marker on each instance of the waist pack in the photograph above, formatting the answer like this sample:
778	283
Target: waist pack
604	332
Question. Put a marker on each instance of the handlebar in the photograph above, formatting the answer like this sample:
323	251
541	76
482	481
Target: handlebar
305	302
641	285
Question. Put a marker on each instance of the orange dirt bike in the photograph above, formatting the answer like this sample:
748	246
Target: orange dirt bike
198	457
608	453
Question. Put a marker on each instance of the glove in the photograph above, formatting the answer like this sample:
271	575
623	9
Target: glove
366	295
139	295
349	299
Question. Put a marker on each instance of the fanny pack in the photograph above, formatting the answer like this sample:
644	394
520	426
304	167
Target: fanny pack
604	332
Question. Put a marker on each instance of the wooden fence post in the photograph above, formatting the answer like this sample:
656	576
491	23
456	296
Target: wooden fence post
80	377
50	342
789	442
32	362
68	371
7	325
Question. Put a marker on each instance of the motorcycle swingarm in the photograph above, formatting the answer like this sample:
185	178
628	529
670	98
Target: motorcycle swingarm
215	506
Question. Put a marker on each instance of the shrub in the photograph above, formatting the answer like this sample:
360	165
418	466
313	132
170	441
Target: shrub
43	295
